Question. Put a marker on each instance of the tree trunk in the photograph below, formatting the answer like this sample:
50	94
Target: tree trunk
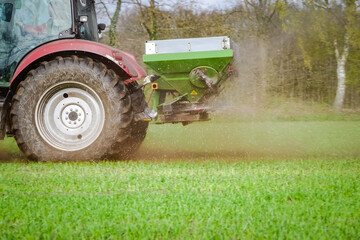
341	74
113	24
148	18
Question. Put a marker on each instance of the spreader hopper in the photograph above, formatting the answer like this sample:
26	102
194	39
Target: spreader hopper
190	71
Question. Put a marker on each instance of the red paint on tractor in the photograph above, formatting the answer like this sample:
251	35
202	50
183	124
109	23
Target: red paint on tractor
123	59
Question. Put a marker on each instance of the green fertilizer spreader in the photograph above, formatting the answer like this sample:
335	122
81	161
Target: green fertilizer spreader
185	73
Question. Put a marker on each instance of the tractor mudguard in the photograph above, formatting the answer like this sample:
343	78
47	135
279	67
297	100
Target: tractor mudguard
124	60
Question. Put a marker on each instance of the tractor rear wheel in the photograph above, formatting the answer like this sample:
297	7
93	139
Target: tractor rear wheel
71	109
125	148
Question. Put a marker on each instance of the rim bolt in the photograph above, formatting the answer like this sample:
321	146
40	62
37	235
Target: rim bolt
69	122
66	118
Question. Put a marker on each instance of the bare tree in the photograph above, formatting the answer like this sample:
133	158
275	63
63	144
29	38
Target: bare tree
148	14
113	17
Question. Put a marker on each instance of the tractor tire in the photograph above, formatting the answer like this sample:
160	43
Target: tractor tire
71	109
125	148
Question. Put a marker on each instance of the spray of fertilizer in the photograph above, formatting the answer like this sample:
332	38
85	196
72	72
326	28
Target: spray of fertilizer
243	93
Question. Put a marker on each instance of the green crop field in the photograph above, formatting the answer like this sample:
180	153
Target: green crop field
225	179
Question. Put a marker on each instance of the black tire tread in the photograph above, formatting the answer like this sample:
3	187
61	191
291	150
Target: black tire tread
127	145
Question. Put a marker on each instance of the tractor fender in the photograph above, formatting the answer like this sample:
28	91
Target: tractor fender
124	61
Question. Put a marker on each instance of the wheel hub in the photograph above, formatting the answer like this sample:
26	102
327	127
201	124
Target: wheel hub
73	116
70	116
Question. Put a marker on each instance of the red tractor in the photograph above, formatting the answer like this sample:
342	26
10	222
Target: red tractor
63	95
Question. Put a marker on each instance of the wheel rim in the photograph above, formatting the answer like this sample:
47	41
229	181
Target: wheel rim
70	116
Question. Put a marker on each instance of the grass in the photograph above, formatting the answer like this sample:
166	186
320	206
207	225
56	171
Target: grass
203	200
225	179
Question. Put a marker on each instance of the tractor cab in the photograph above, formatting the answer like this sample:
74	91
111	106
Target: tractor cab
27	24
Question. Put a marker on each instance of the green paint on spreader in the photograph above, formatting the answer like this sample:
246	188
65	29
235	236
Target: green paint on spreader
174	68
190	68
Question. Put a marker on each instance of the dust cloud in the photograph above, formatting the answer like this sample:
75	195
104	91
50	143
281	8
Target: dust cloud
6	157
244	92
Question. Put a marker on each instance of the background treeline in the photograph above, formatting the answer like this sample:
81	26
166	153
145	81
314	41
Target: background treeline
302	50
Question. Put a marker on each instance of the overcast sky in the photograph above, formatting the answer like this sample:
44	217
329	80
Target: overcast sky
213	4
197	4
